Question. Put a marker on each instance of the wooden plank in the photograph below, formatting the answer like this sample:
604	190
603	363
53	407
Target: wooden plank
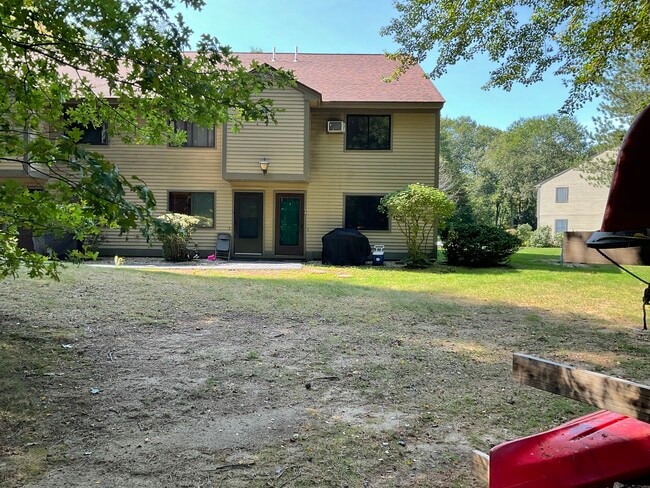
481	466
599	390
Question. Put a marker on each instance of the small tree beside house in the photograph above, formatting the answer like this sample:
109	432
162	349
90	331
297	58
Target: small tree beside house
418	210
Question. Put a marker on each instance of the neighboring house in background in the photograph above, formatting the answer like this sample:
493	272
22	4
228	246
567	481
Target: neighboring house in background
344	138
568	202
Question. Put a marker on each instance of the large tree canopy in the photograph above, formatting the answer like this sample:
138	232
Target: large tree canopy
462	146
578	41
54	54
463	142
530	151
625	92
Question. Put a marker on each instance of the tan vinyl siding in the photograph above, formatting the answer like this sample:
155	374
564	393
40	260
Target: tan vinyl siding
11	167
584	208
19	176
335	172
283	145
166	169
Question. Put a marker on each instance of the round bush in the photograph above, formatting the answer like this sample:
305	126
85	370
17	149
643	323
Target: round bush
477	245
175	232
543	237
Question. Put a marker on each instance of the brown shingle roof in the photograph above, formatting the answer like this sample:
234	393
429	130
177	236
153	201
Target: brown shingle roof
337	77
352	77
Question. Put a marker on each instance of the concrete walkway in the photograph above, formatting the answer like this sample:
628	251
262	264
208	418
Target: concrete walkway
159	263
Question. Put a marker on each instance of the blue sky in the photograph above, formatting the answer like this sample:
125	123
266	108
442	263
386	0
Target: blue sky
352	26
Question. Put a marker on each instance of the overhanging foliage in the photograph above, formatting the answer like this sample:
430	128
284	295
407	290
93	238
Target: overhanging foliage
578	41
104	63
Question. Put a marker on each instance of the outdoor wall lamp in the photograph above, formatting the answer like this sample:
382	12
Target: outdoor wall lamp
264	165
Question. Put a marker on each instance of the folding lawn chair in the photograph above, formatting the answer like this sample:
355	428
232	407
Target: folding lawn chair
222	248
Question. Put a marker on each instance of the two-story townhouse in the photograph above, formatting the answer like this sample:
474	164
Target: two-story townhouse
344	138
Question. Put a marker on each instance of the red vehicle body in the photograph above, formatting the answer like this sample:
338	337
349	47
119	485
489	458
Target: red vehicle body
593	451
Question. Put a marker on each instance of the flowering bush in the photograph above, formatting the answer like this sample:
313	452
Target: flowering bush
175	230
543	237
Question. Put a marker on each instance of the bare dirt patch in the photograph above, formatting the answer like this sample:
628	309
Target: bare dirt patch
172	403
198	380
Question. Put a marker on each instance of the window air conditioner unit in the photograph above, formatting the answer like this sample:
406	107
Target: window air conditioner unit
335	126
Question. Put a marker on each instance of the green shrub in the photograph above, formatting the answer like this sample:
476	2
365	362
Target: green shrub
175	232
524	231
478	245
418	210
543	237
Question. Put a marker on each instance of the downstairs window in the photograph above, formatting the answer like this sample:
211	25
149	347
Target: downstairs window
362	213
199	204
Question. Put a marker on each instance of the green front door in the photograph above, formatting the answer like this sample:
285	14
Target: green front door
289	224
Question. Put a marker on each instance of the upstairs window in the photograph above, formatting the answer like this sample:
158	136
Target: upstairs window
199	204
95	135
562	194
367	132
197	136
91	134
362	212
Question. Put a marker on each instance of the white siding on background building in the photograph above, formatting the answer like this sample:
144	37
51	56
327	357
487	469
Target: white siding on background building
585	206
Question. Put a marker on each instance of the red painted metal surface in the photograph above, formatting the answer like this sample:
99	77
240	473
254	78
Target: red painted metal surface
593	451
626	222
627	204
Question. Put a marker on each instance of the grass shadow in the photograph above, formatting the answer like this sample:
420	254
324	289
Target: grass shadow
539	259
